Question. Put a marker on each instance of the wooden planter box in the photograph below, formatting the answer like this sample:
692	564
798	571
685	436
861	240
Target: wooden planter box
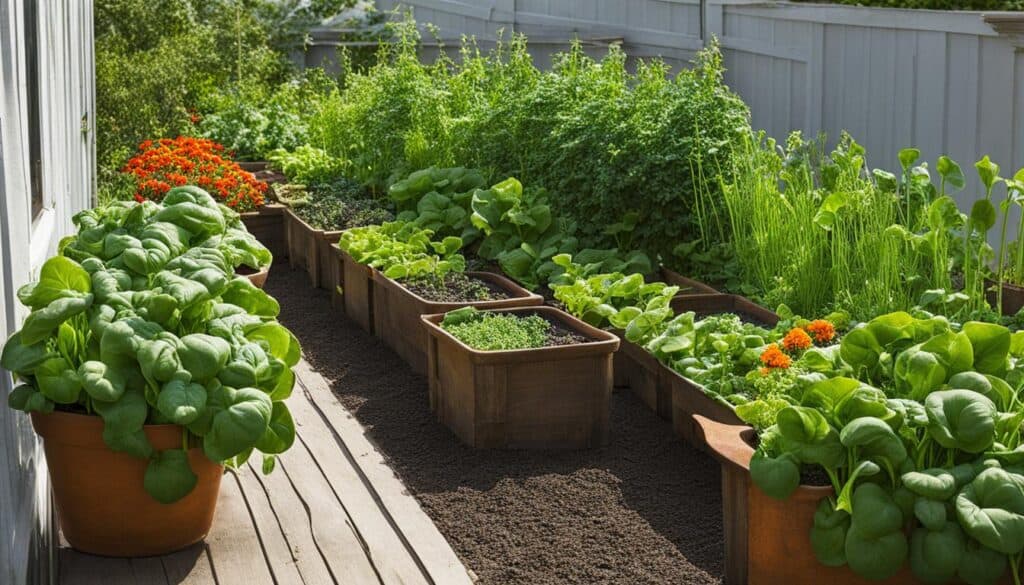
397	311
309	248
767	541
267	225
337	273
551	397
356	282
687	397
687	286
636	368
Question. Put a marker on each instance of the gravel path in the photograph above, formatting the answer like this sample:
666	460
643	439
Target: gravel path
645	509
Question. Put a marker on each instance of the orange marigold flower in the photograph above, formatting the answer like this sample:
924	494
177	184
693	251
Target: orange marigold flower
796	340
773	357
822	330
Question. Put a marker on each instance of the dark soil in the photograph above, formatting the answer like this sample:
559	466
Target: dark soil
455	287
644	509
558	335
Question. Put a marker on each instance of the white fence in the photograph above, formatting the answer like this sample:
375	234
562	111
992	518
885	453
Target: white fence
946	82
47	162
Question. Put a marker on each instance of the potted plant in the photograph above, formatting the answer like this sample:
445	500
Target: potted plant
901	465
526	377
146	366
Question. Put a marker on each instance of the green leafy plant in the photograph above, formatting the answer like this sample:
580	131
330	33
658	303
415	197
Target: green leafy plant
141	320
307	164
338	205
439	200
403	250
487	331
925	434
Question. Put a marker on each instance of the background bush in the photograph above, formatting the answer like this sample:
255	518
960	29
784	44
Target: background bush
600	140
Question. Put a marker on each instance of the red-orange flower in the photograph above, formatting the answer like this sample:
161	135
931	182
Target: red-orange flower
192	161
773	357
796	340
822	330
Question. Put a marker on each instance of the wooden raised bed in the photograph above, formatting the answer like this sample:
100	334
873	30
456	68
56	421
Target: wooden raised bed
266	224
309	248
550	397
767	541
687	286
397	311
687	397
356	282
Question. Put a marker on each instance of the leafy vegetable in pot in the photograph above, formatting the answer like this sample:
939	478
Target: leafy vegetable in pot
403	250
936	447
142	321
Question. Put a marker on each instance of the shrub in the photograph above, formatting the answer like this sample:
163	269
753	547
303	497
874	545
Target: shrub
169	163
600	140
307	164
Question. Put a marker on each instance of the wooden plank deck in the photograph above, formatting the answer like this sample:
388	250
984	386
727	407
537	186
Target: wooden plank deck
331	513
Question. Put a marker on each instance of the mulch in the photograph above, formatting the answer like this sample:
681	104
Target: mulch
644	509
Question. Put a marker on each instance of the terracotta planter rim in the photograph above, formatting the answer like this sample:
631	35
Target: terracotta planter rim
506	284
601	342
730	445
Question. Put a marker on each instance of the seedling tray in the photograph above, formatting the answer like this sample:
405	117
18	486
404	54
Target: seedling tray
397	311
550	397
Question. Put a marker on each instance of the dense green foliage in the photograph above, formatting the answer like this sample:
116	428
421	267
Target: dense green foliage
338	205
141	320
919	424
487	331
599	140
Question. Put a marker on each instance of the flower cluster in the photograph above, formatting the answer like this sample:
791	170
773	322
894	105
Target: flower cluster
796	340
822	330
172	162
773	357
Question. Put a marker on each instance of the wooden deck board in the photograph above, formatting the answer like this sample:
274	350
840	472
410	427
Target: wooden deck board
332	513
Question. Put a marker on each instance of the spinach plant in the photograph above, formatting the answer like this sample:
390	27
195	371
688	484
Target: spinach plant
141	320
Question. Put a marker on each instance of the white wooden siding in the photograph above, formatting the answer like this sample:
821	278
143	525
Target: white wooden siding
945	82
65	34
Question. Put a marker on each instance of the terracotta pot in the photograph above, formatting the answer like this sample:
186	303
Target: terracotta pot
257	277
102	505
767	541
544	398
253	166
687	286
1013	296
396	313
266	224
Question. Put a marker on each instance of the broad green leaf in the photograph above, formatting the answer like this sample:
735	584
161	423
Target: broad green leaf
58	278
280	433
182	402
42	323
101	381
239	426
169	477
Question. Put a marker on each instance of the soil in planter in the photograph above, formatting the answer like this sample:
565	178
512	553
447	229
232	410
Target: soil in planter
558	335
644	509
455	287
